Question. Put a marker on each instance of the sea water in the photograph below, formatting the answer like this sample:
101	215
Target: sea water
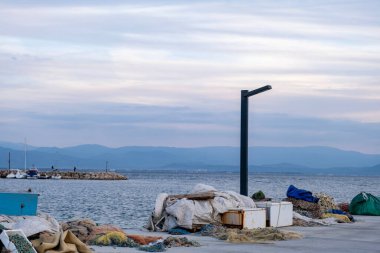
129	203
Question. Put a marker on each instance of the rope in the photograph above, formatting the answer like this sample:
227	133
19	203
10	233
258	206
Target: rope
279	211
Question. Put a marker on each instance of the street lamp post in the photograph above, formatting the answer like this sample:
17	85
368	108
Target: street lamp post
245	94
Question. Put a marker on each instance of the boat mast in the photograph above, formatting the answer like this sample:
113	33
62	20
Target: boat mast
9	161
25	155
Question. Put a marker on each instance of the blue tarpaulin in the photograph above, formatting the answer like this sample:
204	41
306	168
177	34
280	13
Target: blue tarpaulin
336	211
294	192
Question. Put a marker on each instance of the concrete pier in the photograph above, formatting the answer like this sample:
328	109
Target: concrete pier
362	236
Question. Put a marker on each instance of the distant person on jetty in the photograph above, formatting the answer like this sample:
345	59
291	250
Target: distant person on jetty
75	168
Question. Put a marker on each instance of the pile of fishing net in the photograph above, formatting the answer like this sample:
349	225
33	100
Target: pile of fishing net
169	242
326	202
305	208
114	238
345	207
121	239
178	231
80	228
314	210
108	235
303	221
143	243
340	218
262	235
259	235
156	247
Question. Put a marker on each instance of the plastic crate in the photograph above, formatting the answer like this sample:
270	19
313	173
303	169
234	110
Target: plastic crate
4	237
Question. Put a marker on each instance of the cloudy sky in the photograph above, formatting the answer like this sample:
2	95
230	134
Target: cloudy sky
169	73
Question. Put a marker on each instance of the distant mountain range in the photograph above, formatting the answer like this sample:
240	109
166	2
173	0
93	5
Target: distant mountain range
324	160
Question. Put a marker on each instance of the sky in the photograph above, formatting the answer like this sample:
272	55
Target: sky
169	73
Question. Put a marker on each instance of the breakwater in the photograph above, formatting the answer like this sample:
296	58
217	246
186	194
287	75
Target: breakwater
78	175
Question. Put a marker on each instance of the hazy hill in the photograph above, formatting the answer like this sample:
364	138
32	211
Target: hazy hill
262	159
16	146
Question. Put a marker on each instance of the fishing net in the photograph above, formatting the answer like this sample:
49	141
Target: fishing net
264	235
260	235
178	231
213	230
345	207
111	238
120	239
180	242
22	245
313	222
305	223
144	240
131	243
97	231
326	202
157	247
305	208
340	218
80	228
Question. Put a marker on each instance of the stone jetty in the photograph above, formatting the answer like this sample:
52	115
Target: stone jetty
89	175
78	175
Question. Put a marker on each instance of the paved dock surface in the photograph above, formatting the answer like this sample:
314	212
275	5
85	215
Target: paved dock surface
361	236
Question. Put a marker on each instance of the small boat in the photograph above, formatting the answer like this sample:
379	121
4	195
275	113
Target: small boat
11	175
32	173
56	176
20	174
18	204
43	176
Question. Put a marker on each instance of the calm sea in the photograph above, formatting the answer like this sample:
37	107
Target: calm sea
129	203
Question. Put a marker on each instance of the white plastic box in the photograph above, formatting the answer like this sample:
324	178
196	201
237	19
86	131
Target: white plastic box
245	218
4	237
279	214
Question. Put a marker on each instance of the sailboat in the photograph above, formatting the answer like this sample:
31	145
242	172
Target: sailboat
33	172
12	174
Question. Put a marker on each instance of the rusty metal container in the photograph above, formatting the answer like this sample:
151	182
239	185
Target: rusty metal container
245	218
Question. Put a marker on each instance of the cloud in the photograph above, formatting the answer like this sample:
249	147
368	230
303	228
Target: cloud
296	131
178	67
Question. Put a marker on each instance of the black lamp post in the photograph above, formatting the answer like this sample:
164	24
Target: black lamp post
245	94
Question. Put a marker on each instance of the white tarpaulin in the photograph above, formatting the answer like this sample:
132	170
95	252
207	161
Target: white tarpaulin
185	212
31	225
